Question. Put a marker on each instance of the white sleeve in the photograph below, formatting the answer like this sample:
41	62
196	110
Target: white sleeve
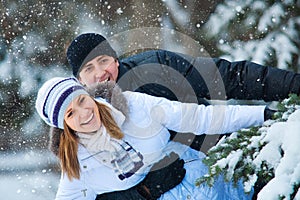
199	119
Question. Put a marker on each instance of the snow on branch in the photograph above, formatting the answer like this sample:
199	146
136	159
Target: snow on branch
266	32
266	157
272	16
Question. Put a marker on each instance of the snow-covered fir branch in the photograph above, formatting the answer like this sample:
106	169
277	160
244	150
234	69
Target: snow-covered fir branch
265	157
260	31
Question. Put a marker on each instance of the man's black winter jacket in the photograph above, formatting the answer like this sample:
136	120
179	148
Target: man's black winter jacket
210	78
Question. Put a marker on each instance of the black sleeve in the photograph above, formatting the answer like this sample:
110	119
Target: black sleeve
190	79
159	73
248	80
220	79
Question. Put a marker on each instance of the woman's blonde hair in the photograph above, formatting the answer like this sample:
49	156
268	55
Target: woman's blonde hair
68	146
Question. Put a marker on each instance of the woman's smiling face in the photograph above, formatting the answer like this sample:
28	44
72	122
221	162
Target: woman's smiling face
82	115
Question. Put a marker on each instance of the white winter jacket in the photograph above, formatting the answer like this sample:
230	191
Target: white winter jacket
146	129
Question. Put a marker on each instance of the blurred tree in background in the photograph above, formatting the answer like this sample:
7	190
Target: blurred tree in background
266	32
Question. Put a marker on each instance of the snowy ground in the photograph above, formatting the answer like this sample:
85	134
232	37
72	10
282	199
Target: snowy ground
28	176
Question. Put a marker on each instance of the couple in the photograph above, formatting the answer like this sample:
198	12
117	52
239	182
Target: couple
104	149
109	147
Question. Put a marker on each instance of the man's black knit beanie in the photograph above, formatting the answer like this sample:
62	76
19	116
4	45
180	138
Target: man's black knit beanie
86	47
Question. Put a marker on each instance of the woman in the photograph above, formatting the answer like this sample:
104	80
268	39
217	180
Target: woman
104	149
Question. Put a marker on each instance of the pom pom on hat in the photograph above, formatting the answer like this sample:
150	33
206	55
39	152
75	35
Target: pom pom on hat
86	47
54	97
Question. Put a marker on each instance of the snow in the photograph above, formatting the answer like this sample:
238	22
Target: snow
270	16
274	35
271	152
248	184
28	175
280	137
29	185
33	174
119	11
216	23
286	136
232	161
5	72
280	153
182	17
274	149
284	49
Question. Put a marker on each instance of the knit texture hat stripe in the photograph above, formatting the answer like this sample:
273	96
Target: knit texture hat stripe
44	113
61	100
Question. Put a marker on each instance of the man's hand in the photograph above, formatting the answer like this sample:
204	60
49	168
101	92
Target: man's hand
268	113
163	176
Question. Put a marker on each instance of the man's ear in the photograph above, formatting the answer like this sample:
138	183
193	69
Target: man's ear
80	80
117	61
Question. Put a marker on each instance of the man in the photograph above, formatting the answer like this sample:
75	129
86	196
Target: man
176	77
94	60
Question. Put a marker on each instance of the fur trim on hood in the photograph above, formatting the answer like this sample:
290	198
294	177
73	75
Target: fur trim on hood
54	139
109	91
112	93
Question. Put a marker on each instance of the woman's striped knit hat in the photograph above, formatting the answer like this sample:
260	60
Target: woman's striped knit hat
54	97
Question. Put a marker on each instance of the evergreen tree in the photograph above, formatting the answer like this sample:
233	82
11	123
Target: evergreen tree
265	157
265	32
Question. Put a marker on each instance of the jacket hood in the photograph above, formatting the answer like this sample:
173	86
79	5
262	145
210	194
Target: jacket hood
110	92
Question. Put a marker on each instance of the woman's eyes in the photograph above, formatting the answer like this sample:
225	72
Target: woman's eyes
81	100
69	114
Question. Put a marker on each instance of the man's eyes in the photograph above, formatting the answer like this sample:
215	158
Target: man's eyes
105	60
87	69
